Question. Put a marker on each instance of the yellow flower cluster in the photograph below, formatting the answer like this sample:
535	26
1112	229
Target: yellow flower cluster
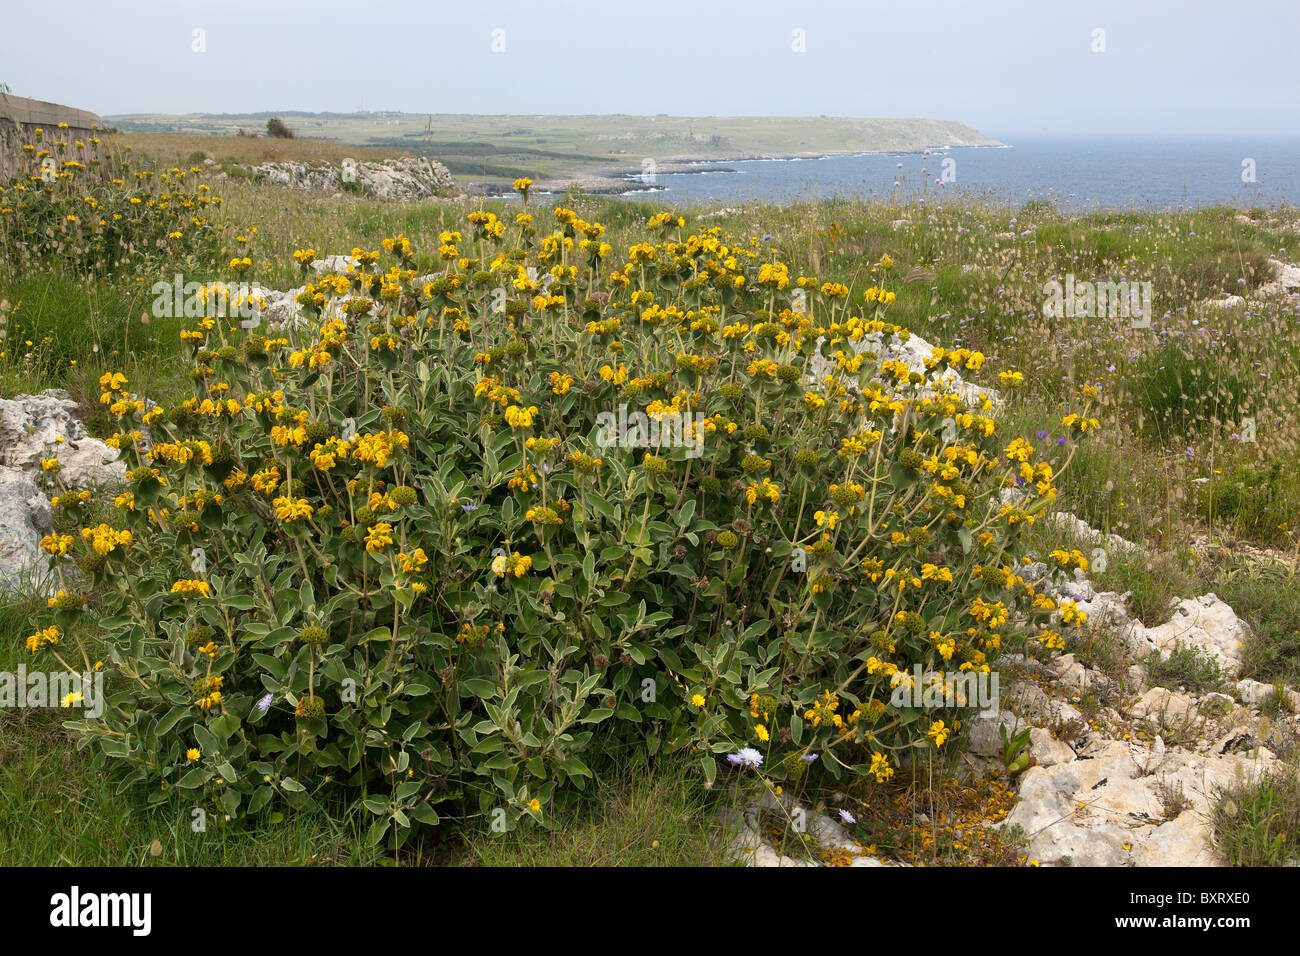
44	638
105	539
516	564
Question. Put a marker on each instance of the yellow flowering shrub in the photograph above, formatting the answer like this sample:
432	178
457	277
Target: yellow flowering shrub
101	214
452	572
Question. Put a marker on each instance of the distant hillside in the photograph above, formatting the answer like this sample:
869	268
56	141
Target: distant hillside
495	148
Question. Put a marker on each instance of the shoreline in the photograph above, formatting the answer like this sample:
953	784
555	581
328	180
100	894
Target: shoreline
621	180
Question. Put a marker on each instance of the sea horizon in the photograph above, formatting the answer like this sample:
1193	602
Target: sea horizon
1116	171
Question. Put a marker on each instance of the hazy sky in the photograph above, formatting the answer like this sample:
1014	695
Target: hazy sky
1002	66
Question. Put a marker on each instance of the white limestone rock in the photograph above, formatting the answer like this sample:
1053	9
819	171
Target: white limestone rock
25	518
46	425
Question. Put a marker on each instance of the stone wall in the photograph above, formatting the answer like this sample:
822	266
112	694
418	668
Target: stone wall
28	122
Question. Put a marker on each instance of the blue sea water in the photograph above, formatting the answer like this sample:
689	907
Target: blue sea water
1075	173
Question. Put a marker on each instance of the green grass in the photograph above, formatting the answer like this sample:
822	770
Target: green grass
1267	597
1259	501
1186	666
64	332
659	816
1180	391
1152	582
1258	824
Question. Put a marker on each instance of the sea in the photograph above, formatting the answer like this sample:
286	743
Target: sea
1074	173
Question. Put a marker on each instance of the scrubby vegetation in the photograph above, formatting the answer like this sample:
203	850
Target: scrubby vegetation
400	587
437	568
1256	823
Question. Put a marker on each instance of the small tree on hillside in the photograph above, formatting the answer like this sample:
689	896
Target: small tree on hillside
275	128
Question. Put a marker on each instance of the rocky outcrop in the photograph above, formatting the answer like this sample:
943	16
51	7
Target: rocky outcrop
1136	783
1285	281
402	180
1125	804
814	839
34	428
46	425
1079	529
913	352
1204	622
1285	284
25	518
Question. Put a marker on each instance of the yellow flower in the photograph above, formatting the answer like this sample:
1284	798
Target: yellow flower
57	544
193	754
520	417
191	587
413	562
880	768
1019	450
516	564
697	700
930	572
766	489
379	537
376	449
105	539
44	638
290	510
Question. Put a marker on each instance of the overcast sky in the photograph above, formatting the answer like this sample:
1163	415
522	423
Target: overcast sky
1001	66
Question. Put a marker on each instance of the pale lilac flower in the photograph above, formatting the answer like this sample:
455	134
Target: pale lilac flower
847	817
264	704
746	757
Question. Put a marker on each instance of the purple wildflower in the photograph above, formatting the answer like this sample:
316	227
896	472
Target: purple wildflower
746	757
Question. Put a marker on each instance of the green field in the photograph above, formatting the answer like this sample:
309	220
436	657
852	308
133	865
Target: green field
497	148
